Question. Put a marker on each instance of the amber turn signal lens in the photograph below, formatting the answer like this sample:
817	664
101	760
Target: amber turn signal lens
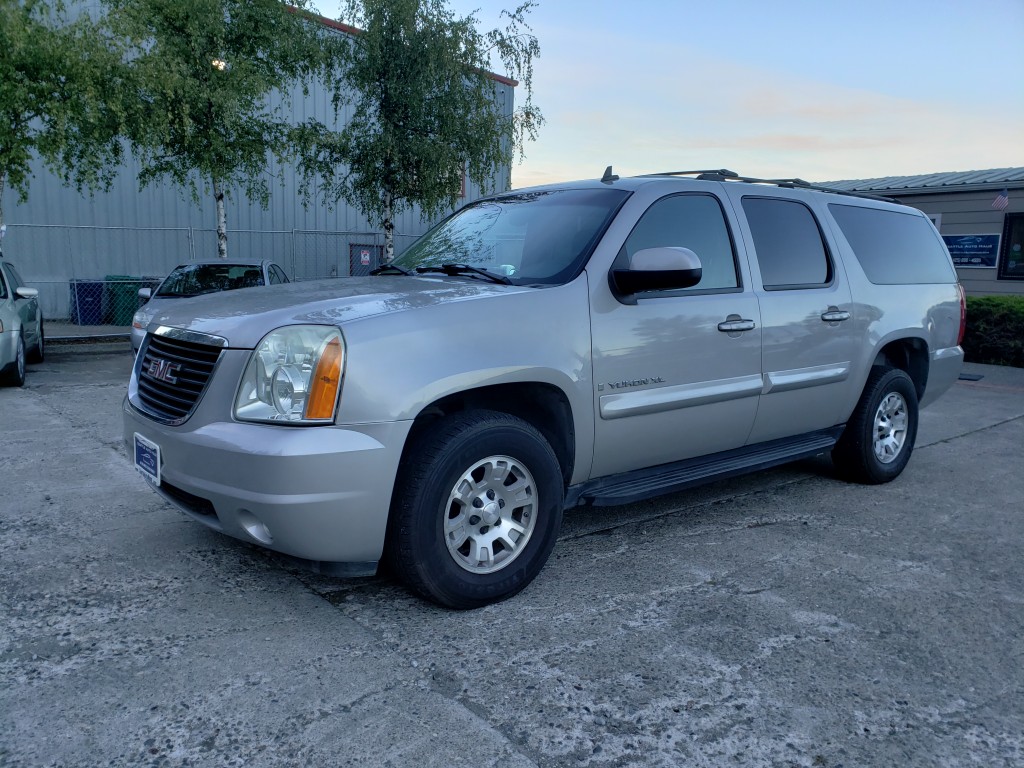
323	389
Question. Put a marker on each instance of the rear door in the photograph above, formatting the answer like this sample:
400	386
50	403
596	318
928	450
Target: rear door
808	335
673	380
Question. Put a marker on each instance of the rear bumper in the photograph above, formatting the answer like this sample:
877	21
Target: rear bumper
944	369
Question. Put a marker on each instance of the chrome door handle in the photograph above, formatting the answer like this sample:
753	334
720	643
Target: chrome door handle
835	315
735	323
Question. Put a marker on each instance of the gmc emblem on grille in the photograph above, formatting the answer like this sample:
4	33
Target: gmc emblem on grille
163	370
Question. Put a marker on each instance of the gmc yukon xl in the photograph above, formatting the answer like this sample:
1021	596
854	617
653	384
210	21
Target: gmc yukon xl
597	342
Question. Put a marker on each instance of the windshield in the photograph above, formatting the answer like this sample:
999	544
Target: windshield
194	279
530	237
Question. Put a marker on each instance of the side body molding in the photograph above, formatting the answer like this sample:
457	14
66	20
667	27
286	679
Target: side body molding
619	405
659	399
798	378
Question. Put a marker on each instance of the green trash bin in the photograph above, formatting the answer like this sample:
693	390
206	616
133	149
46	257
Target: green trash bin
121	299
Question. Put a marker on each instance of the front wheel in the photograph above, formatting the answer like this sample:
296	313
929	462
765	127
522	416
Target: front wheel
879	437
476	510
15	375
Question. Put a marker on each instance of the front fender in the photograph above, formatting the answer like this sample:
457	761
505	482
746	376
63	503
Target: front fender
399	363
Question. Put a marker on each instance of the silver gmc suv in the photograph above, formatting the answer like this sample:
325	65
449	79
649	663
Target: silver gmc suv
597	342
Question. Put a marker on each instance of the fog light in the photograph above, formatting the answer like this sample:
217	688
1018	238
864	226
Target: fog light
254	527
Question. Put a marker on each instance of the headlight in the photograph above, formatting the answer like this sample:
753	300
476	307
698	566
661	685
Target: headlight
293	376
140	320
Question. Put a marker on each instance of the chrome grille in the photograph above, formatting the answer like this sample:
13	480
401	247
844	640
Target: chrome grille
172	374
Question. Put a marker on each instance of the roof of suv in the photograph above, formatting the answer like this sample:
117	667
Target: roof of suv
717	175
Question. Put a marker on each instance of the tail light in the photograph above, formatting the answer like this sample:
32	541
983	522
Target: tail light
963	315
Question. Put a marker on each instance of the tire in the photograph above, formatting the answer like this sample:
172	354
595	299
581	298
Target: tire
879	437
37	354
477	478
15	375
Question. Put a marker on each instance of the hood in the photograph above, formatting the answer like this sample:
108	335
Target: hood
244	316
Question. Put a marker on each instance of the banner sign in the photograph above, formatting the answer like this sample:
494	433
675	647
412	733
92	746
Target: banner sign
973	250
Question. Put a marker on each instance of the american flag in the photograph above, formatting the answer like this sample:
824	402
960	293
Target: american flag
1002	200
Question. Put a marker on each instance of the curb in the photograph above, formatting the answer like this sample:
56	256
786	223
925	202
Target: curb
87	345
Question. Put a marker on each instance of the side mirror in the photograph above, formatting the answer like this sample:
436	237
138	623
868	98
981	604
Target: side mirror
26	293
145	293
657	269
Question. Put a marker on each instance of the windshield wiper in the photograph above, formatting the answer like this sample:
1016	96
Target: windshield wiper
390	268
466	269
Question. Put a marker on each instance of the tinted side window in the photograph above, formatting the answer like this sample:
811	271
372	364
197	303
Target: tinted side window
894	248
689	221
274	277
3	284
281	276
790	249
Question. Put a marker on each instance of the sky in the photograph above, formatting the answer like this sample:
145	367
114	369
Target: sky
817	89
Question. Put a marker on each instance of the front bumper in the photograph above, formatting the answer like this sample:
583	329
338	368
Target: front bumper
317	493
137	335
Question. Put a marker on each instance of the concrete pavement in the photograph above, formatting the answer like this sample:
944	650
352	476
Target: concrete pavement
784	618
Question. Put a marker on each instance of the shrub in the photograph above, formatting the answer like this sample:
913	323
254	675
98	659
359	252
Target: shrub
995	330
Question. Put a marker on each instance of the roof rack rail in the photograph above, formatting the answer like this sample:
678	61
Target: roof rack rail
705	175
724	174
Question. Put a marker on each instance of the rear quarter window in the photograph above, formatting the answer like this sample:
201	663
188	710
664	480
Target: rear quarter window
894	248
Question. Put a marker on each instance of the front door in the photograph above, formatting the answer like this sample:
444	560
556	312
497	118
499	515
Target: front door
678	373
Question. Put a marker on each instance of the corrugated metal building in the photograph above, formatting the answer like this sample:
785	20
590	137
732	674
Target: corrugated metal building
980	215
60	237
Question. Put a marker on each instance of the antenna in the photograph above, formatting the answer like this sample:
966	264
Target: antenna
609	177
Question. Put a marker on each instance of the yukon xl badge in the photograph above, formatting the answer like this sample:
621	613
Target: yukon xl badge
163	370
631	383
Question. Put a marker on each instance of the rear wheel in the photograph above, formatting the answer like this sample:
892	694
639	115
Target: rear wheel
879	438
477	508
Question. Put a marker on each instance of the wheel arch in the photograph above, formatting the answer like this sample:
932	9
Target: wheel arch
909	354
544	406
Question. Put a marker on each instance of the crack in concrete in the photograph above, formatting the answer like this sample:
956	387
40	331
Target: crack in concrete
977	431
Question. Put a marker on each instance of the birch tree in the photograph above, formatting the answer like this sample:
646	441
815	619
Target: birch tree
54	77
424	108
202	75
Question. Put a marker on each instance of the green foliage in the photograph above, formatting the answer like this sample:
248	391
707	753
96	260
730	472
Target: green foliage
54	79
200	78
423	107
995	330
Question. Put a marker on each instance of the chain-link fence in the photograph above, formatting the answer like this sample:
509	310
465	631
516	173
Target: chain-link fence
89	277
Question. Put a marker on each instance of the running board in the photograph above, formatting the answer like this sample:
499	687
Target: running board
641	484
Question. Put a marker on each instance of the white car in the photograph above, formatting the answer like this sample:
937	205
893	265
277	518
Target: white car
21	326
198	277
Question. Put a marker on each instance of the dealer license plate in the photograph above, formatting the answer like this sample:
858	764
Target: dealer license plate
147	458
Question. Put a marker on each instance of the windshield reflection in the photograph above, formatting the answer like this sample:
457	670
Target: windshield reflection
530	238
196	279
